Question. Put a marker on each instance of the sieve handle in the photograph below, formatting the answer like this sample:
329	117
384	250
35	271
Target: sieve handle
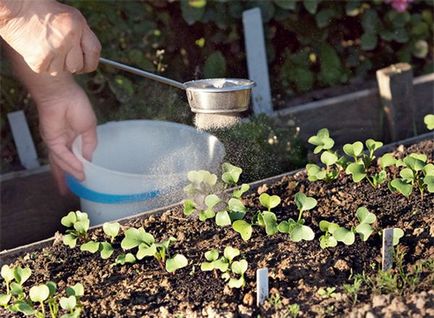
142	73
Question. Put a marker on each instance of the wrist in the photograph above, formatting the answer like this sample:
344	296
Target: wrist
10	9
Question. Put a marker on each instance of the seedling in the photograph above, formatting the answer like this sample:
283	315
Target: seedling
327	292
321	140
123	259
78	224
429	121
268	219
111	230
329	173
415	174
227	266
353	289
296	229
294	310
335	233
147	246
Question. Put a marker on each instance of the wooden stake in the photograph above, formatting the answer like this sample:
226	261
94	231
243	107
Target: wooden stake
261	285
387	249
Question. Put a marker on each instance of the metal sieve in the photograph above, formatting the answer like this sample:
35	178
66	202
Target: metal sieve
209	96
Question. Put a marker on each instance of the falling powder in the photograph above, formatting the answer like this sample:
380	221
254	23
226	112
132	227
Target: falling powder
216	121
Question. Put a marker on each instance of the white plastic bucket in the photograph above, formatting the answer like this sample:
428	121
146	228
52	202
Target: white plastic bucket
140	165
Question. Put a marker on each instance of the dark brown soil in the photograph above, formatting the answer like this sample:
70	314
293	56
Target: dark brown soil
297	270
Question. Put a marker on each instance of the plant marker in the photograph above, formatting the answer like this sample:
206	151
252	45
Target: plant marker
261	285
387	249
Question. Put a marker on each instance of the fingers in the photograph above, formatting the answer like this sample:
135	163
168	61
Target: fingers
74	60
56	65
91	50
66	161
88	143
59	176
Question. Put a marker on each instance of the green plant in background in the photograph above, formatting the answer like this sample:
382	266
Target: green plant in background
429	121
335	233
232	271
78	224
40	297
416	173
295	228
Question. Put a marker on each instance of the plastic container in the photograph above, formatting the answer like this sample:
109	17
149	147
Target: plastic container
140	165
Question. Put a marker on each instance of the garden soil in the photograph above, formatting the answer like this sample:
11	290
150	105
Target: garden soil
297	270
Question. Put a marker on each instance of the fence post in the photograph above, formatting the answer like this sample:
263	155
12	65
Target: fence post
257	60
395	84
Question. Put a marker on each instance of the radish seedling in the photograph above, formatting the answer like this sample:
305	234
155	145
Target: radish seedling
78	224
227	266
268	219
296	229
429	121
416	173
321	140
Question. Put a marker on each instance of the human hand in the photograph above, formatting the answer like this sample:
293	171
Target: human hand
50	36
62	117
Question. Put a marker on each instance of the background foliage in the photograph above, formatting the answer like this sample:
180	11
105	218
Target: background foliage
310	44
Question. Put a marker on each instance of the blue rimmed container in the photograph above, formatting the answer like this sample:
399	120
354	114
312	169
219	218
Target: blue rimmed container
140	165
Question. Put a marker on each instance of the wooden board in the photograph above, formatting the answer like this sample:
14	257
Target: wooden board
31	208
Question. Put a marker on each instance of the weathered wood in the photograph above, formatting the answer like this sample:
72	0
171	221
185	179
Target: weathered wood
395	84
23	140
257	60
31	208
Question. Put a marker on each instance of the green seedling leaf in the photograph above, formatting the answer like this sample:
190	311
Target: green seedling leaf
22	274
244	228
212	255
176	262
39	293
303	202
239	267
327	226
365	230
407	174
230	253
397	235
402	187
357	171
387	160
429	182
82	226
269	220
221	264
373	145
52	288
428	170
75	290
146	250
344	235
22	307
236	283
68	303
283	227
81	216
7	273
125	258
301	232
222	218
326	241
415	162
353	150
329	158
429	121
205	215
212	200
90	246
269	201
189	207
166	244
206	267
364	216
202	176
111	229
134	237
239	192
314	172
4	299
70	240
106	250
236	205
69	219
16	289
321	140
231	174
